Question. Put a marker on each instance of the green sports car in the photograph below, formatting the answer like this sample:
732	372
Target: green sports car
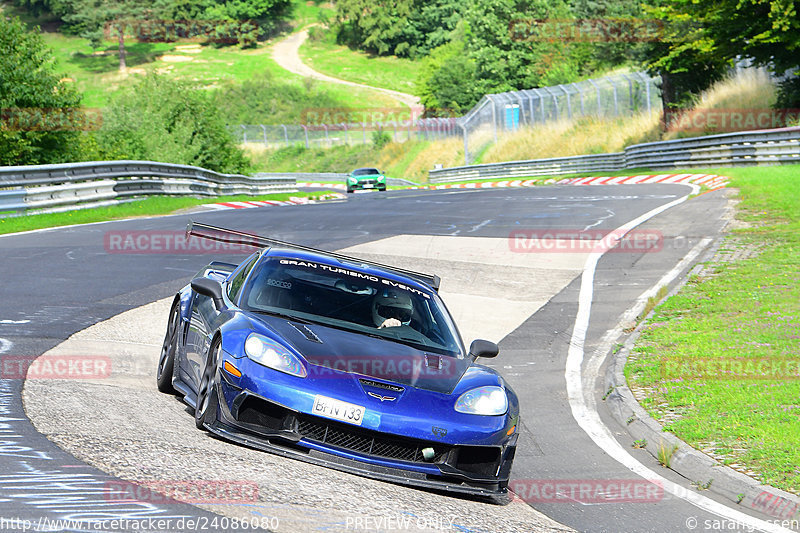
366	178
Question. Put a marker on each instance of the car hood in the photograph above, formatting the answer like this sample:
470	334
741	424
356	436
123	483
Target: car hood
331	352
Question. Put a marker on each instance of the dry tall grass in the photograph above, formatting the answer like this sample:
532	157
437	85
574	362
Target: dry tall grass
746	92
588	135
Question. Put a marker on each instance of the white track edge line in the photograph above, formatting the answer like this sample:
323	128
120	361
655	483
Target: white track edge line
589	420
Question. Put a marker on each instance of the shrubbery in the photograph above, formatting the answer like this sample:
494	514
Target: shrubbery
164	120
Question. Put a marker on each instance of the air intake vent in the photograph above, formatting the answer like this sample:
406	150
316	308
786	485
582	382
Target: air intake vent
380	385
307	333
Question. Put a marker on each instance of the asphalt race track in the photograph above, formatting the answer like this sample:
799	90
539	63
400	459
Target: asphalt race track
60	282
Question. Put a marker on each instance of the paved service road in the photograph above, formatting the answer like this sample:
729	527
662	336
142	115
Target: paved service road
62	281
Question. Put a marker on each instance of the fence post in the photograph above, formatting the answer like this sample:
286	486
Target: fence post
494	117
646	80
466	143
244	134
327	140
285	134
580	91
599	101
569	102
264	131
364	131
305	128
344	126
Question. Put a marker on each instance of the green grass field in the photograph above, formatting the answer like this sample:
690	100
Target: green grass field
95	72
748	311
341	62
151	206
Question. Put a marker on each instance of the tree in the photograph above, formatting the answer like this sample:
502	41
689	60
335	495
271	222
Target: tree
374	25
39	117
508	60
95	18
446	81
702	39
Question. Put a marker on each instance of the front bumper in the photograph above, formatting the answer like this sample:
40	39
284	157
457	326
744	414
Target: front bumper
368	184
259	423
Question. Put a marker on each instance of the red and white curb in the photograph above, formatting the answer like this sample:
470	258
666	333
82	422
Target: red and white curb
270	203
341	186
712	181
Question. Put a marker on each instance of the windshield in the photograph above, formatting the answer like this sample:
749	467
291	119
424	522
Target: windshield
344	298
366	171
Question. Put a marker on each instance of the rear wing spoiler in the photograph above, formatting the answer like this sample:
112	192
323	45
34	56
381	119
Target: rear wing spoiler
214	233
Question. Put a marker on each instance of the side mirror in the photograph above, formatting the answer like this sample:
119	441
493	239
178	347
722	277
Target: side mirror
212	289
482	348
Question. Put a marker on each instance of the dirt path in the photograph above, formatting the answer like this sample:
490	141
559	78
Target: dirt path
286	54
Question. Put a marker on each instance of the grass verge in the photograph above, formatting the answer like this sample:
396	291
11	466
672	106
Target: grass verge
151	206
718	362
388	72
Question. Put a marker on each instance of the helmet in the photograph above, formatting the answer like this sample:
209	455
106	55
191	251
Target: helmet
390	304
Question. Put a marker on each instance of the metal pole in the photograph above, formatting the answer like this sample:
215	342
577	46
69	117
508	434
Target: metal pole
533	113
244	129
466	144
285	134
646	81
364	129
327	140
494	117
264	131
569	102
305	128
578	89
599	102
344	127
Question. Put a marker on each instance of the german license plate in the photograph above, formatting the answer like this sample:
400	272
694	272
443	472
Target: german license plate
339	410
367	185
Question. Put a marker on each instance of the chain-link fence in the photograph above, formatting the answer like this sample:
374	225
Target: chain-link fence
613	96
326	135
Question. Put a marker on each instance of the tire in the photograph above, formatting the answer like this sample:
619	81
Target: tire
382	189
166	361
206	410
349	190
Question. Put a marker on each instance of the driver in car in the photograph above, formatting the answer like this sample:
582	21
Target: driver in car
392	309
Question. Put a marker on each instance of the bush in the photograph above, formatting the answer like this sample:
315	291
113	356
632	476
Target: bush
380	139
789	93
169	121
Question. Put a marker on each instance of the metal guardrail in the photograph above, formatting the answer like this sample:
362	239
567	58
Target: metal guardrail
765	147
77	185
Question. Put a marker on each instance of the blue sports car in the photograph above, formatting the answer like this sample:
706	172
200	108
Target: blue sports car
338	361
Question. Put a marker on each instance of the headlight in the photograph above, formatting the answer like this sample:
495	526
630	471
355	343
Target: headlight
381	178
269	353
483	401
351	179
